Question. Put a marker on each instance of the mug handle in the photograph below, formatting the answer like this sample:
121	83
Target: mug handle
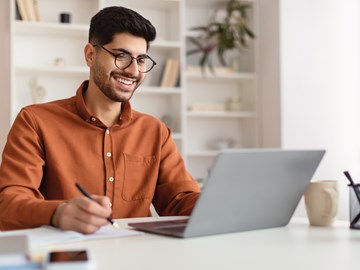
333	198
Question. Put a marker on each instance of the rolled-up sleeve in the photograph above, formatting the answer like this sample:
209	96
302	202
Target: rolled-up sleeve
176	191
21	203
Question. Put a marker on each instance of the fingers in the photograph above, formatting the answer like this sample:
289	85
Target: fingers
103	201
100	207
84	215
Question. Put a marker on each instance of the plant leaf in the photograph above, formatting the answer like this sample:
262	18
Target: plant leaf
221	55
196	42
233	32
193	51
249	32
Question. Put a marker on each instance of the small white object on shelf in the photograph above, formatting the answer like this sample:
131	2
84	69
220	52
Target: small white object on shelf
217	70
207	107
221	143
59	61
37	91
233	104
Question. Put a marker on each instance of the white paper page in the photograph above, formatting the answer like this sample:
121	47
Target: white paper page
109	231
46	235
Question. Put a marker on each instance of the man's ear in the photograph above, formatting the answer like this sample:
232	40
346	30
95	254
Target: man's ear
89	53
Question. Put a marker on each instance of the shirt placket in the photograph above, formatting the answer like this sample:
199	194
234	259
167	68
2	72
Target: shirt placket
109	166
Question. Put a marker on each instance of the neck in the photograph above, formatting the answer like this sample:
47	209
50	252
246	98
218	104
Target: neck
101	106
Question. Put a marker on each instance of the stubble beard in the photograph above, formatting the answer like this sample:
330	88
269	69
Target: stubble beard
103	82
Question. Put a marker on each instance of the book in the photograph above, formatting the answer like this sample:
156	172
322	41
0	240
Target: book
17	13
166	73
174	73
22	10
36	10
30	10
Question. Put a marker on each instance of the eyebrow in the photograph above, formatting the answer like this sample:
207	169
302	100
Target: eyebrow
126	51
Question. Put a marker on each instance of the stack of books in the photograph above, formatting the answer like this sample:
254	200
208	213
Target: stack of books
170	74
28	10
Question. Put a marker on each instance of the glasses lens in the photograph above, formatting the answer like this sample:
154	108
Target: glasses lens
124	60
144	64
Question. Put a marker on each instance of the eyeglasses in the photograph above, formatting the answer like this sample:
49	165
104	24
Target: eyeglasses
124	60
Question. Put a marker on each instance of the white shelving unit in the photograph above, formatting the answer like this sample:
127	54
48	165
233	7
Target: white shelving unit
205	128
37	45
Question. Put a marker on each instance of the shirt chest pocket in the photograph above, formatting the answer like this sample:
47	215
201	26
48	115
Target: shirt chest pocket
140	176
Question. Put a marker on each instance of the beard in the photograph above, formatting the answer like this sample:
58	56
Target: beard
107	87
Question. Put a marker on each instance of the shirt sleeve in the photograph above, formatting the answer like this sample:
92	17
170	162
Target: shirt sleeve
176	192
21	203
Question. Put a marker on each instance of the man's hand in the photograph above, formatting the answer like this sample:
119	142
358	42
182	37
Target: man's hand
82	214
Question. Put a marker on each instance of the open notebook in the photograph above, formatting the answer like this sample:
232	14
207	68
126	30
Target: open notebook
246	190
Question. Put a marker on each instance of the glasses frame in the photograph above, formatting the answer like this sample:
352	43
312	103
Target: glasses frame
116	55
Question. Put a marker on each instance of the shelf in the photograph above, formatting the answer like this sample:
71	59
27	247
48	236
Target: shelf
53	70
203	153
79	30
221	114
166	44
49	28
159	90
222	76
177	136
148	4
207	3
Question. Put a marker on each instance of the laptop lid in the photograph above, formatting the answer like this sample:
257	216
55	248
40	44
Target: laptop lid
248	190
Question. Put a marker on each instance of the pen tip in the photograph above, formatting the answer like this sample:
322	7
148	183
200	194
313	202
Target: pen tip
116	226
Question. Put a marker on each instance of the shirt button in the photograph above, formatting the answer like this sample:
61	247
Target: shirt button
93	119
108	154
111	179
107	131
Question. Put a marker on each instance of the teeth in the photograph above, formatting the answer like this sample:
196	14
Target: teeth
125	81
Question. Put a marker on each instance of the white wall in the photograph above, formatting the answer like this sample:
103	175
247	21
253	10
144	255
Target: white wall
320	85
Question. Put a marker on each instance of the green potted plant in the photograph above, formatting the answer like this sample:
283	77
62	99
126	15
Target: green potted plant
228	29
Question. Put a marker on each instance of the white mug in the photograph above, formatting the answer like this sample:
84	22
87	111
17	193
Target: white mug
321	201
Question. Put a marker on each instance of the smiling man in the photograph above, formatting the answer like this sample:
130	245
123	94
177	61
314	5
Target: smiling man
125	159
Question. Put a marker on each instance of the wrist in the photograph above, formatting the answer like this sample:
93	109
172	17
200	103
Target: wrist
56	217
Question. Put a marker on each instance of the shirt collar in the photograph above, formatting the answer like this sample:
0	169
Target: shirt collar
126	111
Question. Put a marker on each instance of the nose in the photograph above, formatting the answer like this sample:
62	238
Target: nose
132	68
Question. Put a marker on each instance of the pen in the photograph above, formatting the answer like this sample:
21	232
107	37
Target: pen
86	194
353	185
357	193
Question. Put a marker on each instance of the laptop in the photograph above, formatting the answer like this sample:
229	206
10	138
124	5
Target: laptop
246	190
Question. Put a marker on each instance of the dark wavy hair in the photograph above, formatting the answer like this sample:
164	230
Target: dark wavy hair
114	20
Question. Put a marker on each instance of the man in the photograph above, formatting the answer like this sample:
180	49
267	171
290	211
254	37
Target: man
126	159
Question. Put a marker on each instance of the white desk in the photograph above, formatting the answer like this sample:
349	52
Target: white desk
296	246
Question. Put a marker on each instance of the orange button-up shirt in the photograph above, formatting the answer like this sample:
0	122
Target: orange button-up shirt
51	146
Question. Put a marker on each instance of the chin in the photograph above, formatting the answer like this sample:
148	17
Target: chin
123	98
